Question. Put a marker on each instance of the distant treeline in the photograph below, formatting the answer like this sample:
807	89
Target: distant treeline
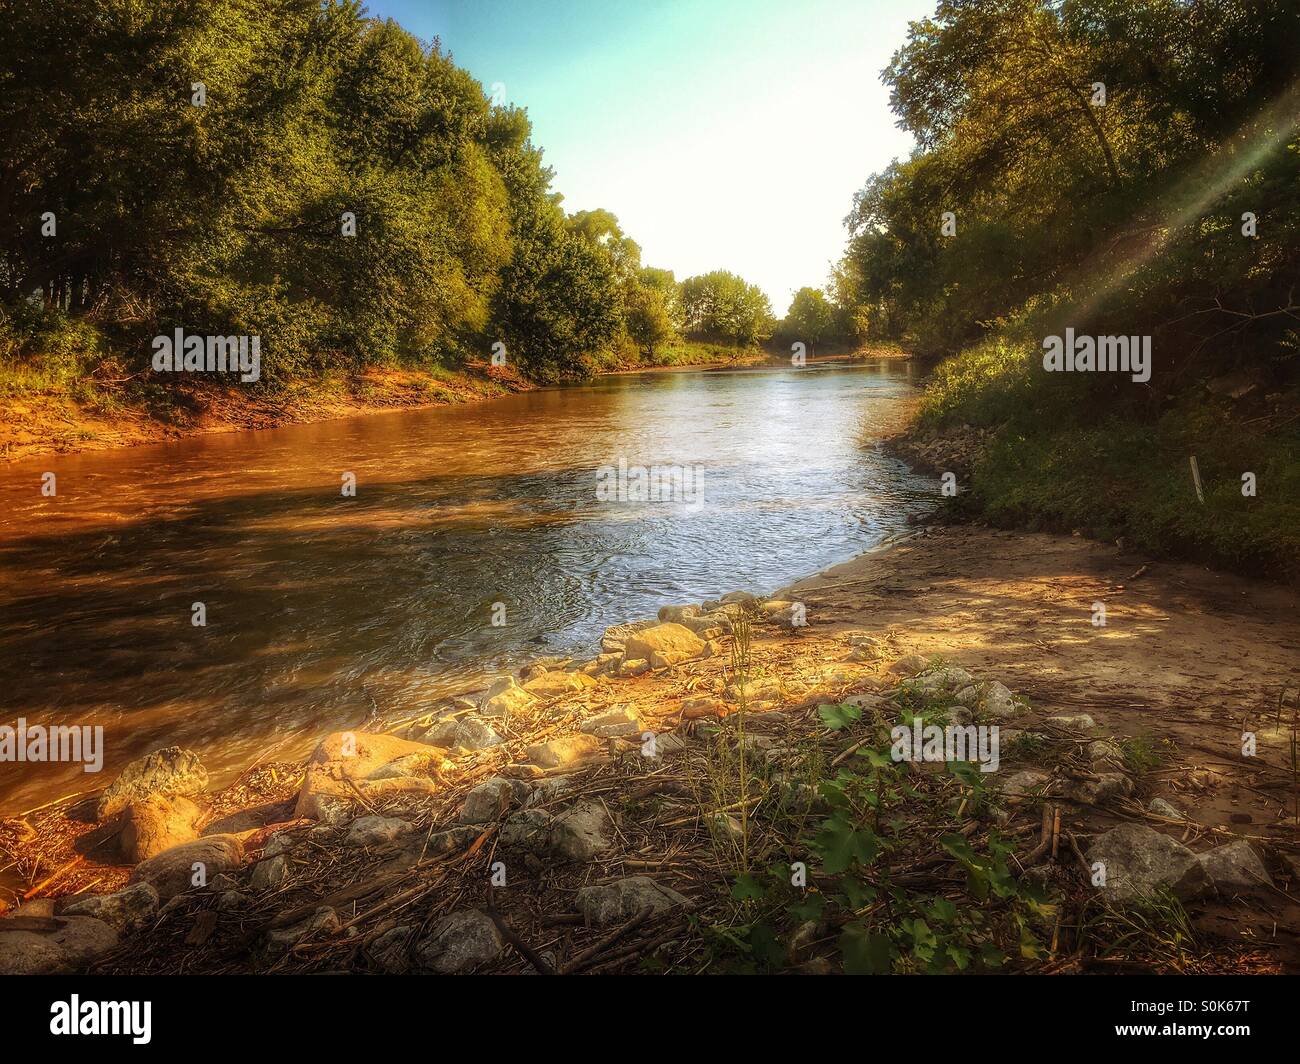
295	170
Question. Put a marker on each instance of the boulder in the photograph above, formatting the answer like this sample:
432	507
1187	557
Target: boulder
663	645
171	771
709	625
377	767
568	751
376	832
157	823
614	903
390	952
1106	786
1026	783
582	831
174	871
269	873
615	639
125	910
1138	861
466	733
281	939
620	722
676	614
908	665
944	680
1073	722
492	799
506	698
1234	868
461	941
57	945
359	754
738	598
632	667
996	700
557	684
1162	808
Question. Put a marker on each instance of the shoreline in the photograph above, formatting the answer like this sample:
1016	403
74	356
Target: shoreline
36	426
1011	608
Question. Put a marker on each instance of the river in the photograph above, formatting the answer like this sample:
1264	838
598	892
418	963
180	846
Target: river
324	608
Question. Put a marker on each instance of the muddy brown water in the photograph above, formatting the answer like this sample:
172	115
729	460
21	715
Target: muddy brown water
323	610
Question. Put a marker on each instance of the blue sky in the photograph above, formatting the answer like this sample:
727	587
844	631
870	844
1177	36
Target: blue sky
724	134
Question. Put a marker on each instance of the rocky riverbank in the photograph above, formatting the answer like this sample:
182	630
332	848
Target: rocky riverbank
718	789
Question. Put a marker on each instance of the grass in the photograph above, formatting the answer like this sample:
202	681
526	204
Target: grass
1065	456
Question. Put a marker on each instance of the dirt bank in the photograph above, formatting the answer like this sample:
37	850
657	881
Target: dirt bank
59	424
1186	662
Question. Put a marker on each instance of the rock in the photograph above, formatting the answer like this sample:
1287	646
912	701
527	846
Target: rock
615	639
632	667
547	791
506	698
996	700
1027	783
67	945
1234	868
377	767
450	841
1162	808
547	664
726	827
492	799
231	900
462	941
128	909
1106	786
556	684
270	873
1075	722
390	952
784	613
739	598
698	706
1138	861
909	665
617	902
675	614
173	871
582	831
376	832
285	938
1105	752
663	645
568	751
171	771
709	625
157	823
939	681
280	842
576	834
761	690
467	733
614	723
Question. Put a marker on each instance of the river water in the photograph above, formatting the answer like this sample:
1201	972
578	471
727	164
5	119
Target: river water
323	608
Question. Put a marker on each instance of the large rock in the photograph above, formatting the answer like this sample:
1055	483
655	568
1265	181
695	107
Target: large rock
171	771
944	680
676	614
174	871
1234	868
505	698
555	684
568	751
663	645
579	833
467	733
348	768
157	823
619	722
125	910
1138	861
613	903
492	799
377	832
614	640
56	945
462	941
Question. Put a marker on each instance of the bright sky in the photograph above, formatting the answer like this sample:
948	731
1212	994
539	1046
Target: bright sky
724	134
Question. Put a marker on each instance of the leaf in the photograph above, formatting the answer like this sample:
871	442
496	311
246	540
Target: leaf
747	888
837	717
865	952
841	844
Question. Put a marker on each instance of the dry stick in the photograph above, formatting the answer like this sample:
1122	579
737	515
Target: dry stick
57	874
579	959
508	933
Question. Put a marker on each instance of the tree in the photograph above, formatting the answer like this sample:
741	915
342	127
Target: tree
722	306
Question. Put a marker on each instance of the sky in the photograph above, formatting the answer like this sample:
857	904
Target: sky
724	134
